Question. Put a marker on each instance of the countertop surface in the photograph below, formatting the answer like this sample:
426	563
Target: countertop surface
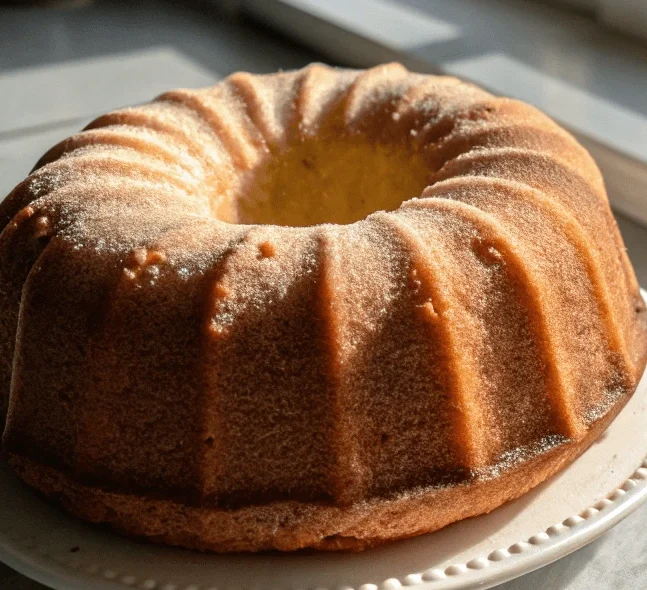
61	67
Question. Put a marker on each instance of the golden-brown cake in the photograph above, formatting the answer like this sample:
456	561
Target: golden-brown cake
324	308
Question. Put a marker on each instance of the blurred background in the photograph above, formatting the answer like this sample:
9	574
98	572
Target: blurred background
584	62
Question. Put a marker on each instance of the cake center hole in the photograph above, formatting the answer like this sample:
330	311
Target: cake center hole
335	181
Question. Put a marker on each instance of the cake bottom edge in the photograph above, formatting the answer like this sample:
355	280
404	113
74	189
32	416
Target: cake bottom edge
293	525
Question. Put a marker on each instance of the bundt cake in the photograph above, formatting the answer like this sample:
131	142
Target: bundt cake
325	308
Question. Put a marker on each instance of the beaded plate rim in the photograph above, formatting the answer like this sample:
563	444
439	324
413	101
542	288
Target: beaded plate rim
60	570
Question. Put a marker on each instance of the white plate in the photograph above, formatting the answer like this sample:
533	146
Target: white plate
598	490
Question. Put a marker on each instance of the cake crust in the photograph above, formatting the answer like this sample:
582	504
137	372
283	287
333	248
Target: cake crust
324	308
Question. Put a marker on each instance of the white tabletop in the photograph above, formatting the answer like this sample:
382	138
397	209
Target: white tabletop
59	68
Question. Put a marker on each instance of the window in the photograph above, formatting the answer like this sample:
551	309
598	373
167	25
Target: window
627	16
